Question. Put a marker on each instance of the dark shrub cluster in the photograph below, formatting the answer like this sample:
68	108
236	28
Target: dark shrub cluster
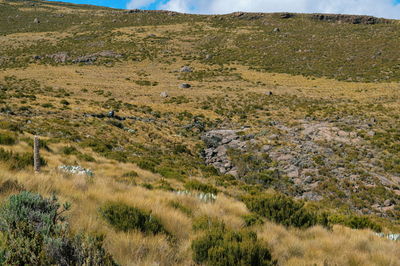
281	209
354	222
7	139
197	185
220	246
36	233
18	161
125	218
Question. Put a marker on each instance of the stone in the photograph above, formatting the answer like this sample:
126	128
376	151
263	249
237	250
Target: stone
36	20
185	86
277	30
387	203
186	69
164	94
269	93
61	57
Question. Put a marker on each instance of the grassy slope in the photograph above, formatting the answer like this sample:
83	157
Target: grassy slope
230	94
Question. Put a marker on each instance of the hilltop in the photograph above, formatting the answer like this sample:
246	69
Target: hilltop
282	128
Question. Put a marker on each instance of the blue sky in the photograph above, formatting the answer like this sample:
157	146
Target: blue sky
380	8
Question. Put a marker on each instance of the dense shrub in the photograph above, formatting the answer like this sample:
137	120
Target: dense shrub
125	218
355	222
197	185
7	139
219	246
36	234
18	161
69	150
281	209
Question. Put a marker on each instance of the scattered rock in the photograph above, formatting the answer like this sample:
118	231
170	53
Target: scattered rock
286	15
185	86
350	19
164	94
277	30
36	20
186	69
77	170
218	143
61	57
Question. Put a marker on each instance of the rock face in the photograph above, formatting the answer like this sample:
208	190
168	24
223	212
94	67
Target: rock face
349	19
61	57
218	143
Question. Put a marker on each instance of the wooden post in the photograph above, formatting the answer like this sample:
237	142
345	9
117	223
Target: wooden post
36	155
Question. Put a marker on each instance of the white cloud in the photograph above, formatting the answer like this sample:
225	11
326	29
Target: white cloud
379	8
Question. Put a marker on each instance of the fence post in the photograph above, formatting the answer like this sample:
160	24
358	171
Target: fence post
36	155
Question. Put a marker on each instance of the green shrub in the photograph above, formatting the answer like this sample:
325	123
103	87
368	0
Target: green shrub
130	174
197	185
252	219
179	206
207	223
126	218
85	157
281	209
69	150
225	247
36	234
18	161
7	139
354	222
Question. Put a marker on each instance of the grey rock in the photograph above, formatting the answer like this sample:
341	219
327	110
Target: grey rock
164	94
185	86
186	69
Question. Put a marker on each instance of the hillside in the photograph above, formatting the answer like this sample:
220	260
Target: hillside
283	129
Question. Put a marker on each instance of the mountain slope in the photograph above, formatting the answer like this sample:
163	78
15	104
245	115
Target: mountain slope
299	105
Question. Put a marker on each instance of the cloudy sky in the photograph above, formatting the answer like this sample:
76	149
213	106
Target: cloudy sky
379	8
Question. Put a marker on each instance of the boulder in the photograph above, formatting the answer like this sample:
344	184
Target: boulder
185	86
186	69
164	94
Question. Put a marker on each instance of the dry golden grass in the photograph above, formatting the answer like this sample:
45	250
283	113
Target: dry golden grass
314	246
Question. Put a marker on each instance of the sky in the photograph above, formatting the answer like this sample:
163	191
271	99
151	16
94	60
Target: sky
379	8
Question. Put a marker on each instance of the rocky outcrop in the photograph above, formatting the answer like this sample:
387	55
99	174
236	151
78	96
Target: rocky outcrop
352	19
218	143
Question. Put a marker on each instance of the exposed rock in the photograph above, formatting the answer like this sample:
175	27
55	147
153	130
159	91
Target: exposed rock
185	86
61	57
218	143
277	30
349	19
36	20
164	94
286	15
186	69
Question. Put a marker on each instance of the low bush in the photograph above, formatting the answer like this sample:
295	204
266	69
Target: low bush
197	185
354	222
36	233
281	209
7	139
126	218
220	246
18	161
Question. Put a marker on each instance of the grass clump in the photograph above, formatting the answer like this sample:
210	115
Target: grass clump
197	185
281	209
221	246
7	139
18	161
355	222
126	218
